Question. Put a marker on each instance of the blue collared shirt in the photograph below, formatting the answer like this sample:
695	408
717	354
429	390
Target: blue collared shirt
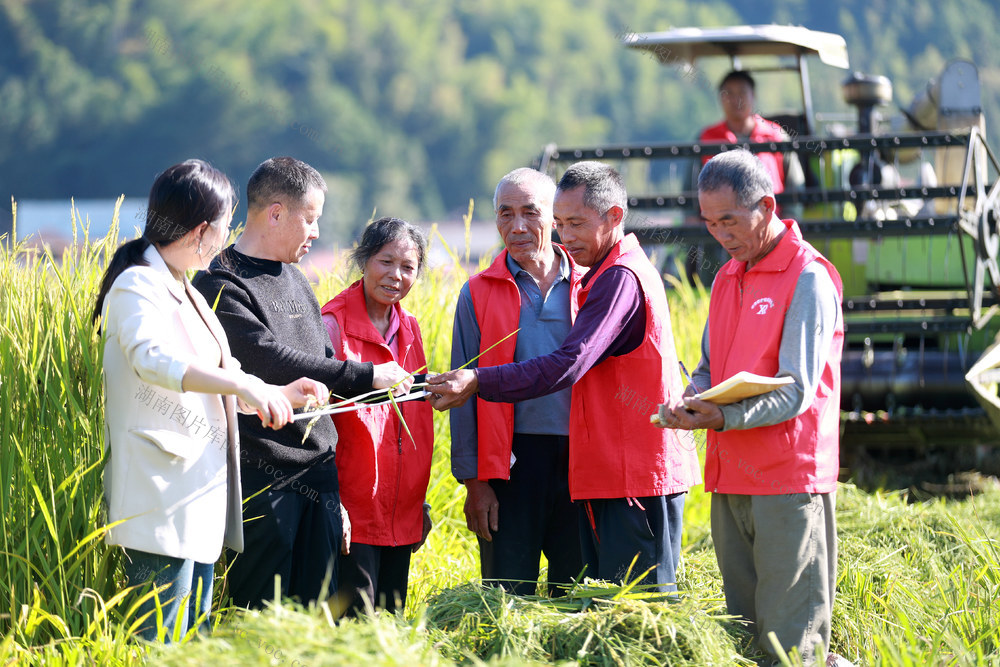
544	322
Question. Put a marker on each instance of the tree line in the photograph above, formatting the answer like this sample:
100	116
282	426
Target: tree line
411	108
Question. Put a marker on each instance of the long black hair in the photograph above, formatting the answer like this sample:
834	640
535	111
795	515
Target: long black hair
182	197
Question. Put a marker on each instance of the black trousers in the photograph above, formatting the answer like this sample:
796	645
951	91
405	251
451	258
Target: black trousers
377	573
617	530
536	516
292	535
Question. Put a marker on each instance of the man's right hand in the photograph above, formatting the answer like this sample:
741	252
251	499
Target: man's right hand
391	374
452	389
690	414
482	510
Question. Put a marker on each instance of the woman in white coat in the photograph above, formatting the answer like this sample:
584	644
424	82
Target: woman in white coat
171	478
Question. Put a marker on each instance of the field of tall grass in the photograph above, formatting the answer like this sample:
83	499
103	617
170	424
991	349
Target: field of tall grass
919	582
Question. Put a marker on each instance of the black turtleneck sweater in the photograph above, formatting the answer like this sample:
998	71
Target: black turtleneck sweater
275	330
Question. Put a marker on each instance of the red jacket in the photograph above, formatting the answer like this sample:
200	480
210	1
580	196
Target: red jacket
763	130
798	455
383	473
614	450
497	302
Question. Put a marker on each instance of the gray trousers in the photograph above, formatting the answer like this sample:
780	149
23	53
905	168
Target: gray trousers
778	558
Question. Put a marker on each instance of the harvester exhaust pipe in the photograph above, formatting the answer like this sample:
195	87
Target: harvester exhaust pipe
866	92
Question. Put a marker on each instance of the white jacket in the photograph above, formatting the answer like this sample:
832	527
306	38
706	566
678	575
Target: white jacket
172	458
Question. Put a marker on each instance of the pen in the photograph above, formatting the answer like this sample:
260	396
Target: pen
688	376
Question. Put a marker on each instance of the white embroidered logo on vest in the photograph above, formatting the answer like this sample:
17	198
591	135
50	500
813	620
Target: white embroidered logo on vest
761	306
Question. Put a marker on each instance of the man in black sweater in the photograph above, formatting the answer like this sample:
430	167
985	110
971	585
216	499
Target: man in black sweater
294	527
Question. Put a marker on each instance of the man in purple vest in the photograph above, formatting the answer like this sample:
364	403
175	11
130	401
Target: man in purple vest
771	460
629	479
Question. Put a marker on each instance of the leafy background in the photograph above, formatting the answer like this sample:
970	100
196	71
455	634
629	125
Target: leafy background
411	107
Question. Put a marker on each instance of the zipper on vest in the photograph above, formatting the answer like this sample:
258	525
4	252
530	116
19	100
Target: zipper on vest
399	475
725	363
739	322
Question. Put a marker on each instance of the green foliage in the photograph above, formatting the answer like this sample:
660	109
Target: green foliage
919	583
407	106
57	580
287	634
594	625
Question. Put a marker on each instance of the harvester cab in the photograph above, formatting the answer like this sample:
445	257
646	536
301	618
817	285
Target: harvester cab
906	207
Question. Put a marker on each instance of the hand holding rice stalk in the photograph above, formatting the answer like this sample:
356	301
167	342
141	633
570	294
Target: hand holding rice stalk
366	400
359	402
454	388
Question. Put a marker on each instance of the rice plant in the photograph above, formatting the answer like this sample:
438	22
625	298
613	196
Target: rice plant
919	582
55	572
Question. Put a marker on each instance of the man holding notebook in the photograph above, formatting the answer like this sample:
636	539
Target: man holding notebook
772	459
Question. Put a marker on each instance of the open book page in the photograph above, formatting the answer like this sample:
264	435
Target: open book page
742	385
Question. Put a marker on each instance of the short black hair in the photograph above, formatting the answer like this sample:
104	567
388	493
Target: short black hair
383	231
603	185
738	75
282	178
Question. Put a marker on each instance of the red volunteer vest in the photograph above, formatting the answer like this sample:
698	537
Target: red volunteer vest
614	451
763	130
497	303
745	323
383	472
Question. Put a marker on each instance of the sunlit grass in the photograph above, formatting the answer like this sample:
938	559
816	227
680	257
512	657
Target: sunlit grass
919	583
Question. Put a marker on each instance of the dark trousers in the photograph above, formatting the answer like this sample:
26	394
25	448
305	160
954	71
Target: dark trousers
616	530
292	535
536	516
378	574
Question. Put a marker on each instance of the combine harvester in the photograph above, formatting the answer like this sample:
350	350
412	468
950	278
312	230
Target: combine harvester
906	208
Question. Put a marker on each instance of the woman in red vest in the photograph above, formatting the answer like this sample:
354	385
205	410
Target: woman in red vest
383	466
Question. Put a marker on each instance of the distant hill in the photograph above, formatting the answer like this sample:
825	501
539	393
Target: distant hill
410	108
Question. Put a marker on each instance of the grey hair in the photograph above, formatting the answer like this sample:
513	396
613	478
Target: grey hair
543	183
282	178
740	170
603	186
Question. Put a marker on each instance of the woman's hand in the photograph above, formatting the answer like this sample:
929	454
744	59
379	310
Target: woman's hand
306	391
268	400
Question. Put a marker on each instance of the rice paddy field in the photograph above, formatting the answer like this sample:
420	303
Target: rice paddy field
919	580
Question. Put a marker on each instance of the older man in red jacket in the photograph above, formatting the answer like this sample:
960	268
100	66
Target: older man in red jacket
514	458
772	460
629	478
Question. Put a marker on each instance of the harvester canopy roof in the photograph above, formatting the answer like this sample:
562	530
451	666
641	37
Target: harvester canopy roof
690	44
